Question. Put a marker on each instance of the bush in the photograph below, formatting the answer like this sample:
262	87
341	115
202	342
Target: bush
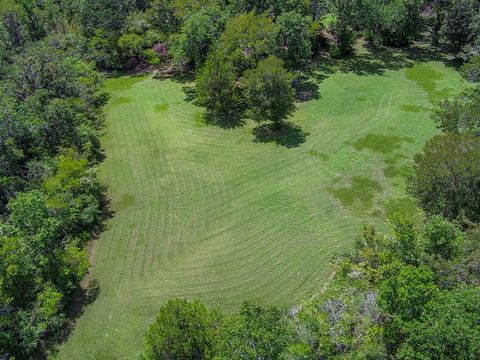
335	52
93	290
447	177
151	57
471	70
182	330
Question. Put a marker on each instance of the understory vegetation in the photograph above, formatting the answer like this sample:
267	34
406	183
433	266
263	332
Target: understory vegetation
409	292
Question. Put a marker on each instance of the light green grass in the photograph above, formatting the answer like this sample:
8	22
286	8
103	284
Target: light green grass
7	5
203	212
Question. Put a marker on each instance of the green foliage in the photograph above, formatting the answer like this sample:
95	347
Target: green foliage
13	36
106	15
50	197
131	45
74	192
162	15
293	37
406	291
344	26
102	49
137	23
37	270
198	34
44	317
217	89
461	114
447	173
393	22
186	8
272	7
344	320
406	244
471	70
57	73
41	258
448	329
459	18
152	57
371	253
402	22
41	18
268	91
442	238
247	39
51	100
93	290
181	330
255	333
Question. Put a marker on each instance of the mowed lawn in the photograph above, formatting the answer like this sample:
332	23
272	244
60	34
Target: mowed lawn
223	216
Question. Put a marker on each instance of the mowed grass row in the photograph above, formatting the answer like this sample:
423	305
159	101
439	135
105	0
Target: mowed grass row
208	213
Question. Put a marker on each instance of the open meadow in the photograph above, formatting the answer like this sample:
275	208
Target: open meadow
224	215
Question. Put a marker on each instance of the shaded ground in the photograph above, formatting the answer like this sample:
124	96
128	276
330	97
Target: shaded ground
288	134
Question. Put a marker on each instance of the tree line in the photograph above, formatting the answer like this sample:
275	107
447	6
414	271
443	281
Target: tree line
238	35
51	198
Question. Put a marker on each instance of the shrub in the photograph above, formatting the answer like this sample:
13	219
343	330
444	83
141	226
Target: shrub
471	70
93	290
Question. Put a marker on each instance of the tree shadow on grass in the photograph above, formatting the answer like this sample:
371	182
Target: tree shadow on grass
305	89
379	59
181	77
231	121
190	94
379	143
375	62
321	68
424	52
288	135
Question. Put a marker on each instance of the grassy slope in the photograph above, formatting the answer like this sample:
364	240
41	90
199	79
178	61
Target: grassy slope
203	212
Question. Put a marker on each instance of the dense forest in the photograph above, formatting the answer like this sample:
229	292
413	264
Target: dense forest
411	293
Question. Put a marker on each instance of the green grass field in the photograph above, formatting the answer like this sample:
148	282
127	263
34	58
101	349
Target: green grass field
223	215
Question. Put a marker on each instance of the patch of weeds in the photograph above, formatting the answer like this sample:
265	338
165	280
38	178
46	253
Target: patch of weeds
361	192
126	200
413	108
404	205
377	213
427	77
378	143
124	83
394	159
318	154
120	100
93	290
161	107
393	171
199	119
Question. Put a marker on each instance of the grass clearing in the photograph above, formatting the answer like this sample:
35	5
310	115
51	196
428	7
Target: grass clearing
225	215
